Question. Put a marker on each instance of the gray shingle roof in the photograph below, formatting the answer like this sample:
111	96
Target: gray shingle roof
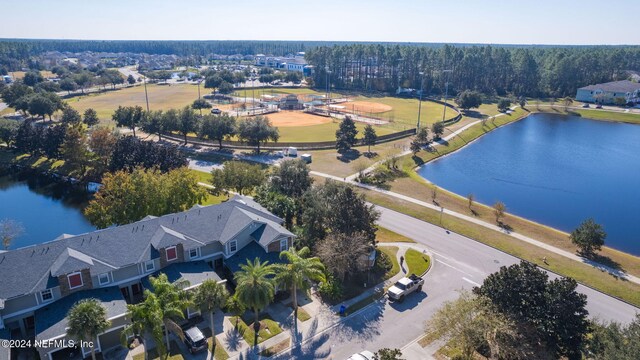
51	320
125	245
195	272
614	86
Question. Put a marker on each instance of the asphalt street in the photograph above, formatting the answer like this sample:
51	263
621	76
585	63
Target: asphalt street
458	263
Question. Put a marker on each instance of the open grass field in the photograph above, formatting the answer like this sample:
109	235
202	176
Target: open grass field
20	74
404	112
161	97
323	132
401	112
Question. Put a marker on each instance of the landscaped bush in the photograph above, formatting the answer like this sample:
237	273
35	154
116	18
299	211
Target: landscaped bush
383	263
331	290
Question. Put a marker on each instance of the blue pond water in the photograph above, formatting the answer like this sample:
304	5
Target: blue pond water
44	208
556	170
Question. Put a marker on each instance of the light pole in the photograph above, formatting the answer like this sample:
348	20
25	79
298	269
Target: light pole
420	98
146	95
253	96
446	93
328	94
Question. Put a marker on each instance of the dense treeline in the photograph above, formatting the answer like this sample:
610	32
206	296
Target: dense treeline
522	71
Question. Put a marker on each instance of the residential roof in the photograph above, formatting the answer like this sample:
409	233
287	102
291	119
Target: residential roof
116	247
51	320
250	252
614	86
195	272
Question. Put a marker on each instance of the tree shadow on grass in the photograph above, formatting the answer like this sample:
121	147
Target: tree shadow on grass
475	114
349	155
598	261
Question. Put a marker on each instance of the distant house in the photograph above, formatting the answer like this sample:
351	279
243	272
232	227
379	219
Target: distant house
40	283
607	93
7	79
289	63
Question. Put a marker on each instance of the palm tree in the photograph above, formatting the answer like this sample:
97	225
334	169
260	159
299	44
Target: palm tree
235	307
146	321
298	271
210	296
255	288
173	302
88	318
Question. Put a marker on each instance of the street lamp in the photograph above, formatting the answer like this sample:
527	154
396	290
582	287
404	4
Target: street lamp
420	98
328	90
146	95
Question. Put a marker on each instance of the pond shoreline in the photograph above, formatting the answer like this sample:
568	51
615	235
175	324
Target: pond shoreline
534	187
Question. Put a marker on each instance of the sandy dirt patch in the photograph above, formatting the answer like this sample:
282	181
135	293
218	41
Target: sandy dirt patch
366	106
296	118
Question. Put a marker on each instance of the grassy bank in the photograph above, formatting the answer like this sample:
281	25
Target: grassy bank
415	186
584	274
594	114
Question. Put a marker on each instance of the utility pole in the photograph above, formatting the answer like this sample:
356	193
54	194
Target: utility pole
446	93
420	98
146	95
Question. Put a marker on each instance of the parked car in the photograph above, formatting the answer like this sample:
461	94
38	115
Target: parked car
585	105
599	106
216	111
404	287
364	355
195	340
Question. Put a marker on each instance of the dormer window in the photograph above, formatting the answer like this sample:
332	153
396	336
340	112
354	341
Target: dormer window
283	244
75	280
46	295
233	246
172	253
104	279
149	266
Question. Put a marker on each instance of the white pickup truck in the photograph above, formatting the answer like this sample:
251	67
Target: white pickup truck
404	287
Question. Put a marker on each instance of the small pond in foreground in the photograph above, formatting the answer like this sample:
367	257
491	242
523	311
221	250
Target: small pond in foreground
44	207
556	170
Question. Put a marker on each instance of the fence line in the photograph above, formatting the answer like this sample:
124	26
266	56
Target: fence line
321	145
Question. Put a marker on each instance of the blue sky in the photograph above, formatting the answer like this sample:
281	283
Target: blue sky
468	21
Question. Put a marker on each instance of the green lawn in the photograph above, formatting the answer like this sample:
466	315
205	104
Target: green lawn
219	353
268	329
405	111
303	315
384	235
608	115
276	348
417	262
174	354
323	132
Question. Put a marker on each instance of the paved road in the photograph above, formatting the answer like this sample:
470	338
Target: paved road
459	263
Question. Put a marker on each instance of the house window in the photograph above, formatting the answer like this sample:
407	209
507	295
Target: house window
172	253
46	295
193	253
75	280
283	244
149	266
233	246
104	279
